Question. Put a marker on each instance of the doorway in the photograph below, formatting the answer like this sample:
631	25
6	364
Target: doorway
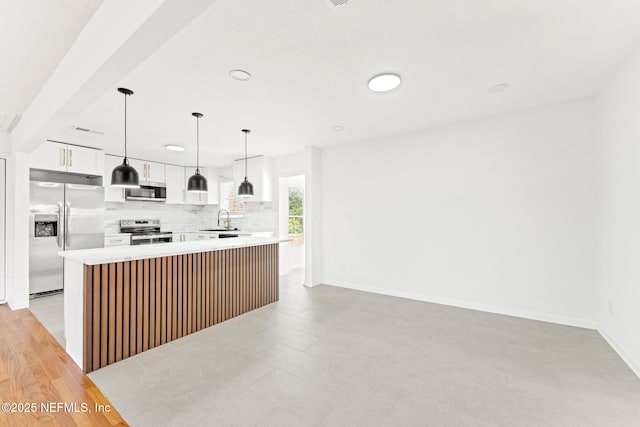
291	225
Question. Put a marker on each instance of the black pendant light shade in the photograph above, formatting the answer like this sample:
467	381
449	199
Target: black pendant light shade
124	175
246	188
197	183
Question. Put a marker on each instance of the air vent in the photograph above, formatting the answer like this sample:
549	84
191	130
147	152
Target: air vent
87	130
8	121
335	3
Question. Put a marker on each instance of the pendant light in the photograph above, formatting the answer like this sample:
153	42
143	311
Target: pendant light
124	175
197	183
246	188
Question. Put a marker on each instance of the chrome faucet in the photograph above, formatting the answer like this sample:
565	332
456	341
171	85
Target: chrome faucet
227	222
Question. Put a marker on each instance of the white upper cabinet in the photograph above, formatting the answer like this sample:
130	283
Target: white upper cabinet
85	160
208	198
175	178
149	171
213	196
176	184
155	172
60	157
111	194
49	156
260	174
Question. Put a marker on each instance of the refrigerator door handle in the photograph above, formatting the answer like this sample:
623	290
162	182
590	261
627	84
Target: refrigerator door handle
61	227
67	214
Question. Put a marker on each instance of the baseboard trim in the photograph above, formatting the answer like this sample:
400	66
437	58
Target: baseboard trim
312	285
624	355
532	315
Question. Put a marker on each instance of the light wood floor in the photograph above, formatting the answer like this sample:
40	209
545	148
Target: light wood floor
34	368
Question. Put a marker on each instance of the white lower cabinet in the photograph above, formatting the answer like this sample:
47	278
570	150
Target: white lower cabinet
203	236
117	240
189	236
186	236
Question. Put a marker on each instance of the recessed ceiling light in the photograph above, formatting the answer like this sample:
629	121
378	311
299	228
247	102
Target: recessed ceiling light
499	88
338	128
240	75
173	147
384	82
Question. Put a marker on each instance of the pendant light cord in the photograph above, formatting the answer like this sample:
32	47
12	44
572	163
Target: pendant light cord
125	126
198	144
245	155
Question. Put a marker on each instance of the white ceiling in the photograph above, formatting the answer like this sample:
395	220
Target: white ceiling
34	36
311	63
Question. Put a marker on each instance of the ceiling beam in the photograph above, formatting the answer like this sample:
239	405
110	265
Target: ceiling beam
118	38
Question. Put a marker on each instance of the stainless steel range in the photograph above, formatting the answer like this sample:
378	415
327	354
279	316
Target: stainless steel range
145	231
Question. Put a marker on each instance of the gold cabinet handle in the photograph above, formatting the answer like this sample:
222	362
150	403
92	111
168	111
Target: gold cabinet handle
123	194
70	157
64	157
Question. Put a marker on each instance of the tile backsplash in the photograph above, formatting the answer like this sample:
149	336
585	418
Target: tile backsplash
256	216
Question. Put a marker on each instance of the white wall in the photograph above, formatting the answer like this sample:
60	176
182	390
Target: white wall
3	237
5	142
619	238
5	149
17	266
495	214
290	164
313	209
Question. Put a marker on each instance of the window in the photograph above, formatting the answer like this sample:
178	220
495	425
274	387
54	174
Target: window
228	198
296	215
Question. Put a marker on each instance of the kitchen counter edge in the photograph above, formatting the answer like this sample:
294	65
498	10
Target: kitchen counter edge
128	253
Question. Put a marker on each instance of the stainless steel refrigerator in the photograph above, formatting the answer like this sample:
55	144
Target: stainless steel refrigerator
61	217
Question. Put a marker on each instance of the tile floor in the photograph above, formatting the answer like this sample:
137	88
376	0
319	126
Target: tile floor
50	312
338	357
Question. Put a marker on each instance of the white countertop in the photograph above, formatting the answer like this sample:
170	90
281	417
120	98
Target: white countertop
238	232
128	253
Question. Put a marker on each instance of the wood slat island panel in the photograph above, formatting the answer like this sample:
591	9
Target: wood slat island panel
133	306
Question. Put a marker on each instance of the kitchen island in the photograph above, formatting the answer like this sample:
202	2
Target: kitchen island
121	301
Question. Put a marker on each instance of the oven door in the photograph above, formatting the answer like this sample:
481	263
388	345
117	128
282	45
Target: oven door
151	239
